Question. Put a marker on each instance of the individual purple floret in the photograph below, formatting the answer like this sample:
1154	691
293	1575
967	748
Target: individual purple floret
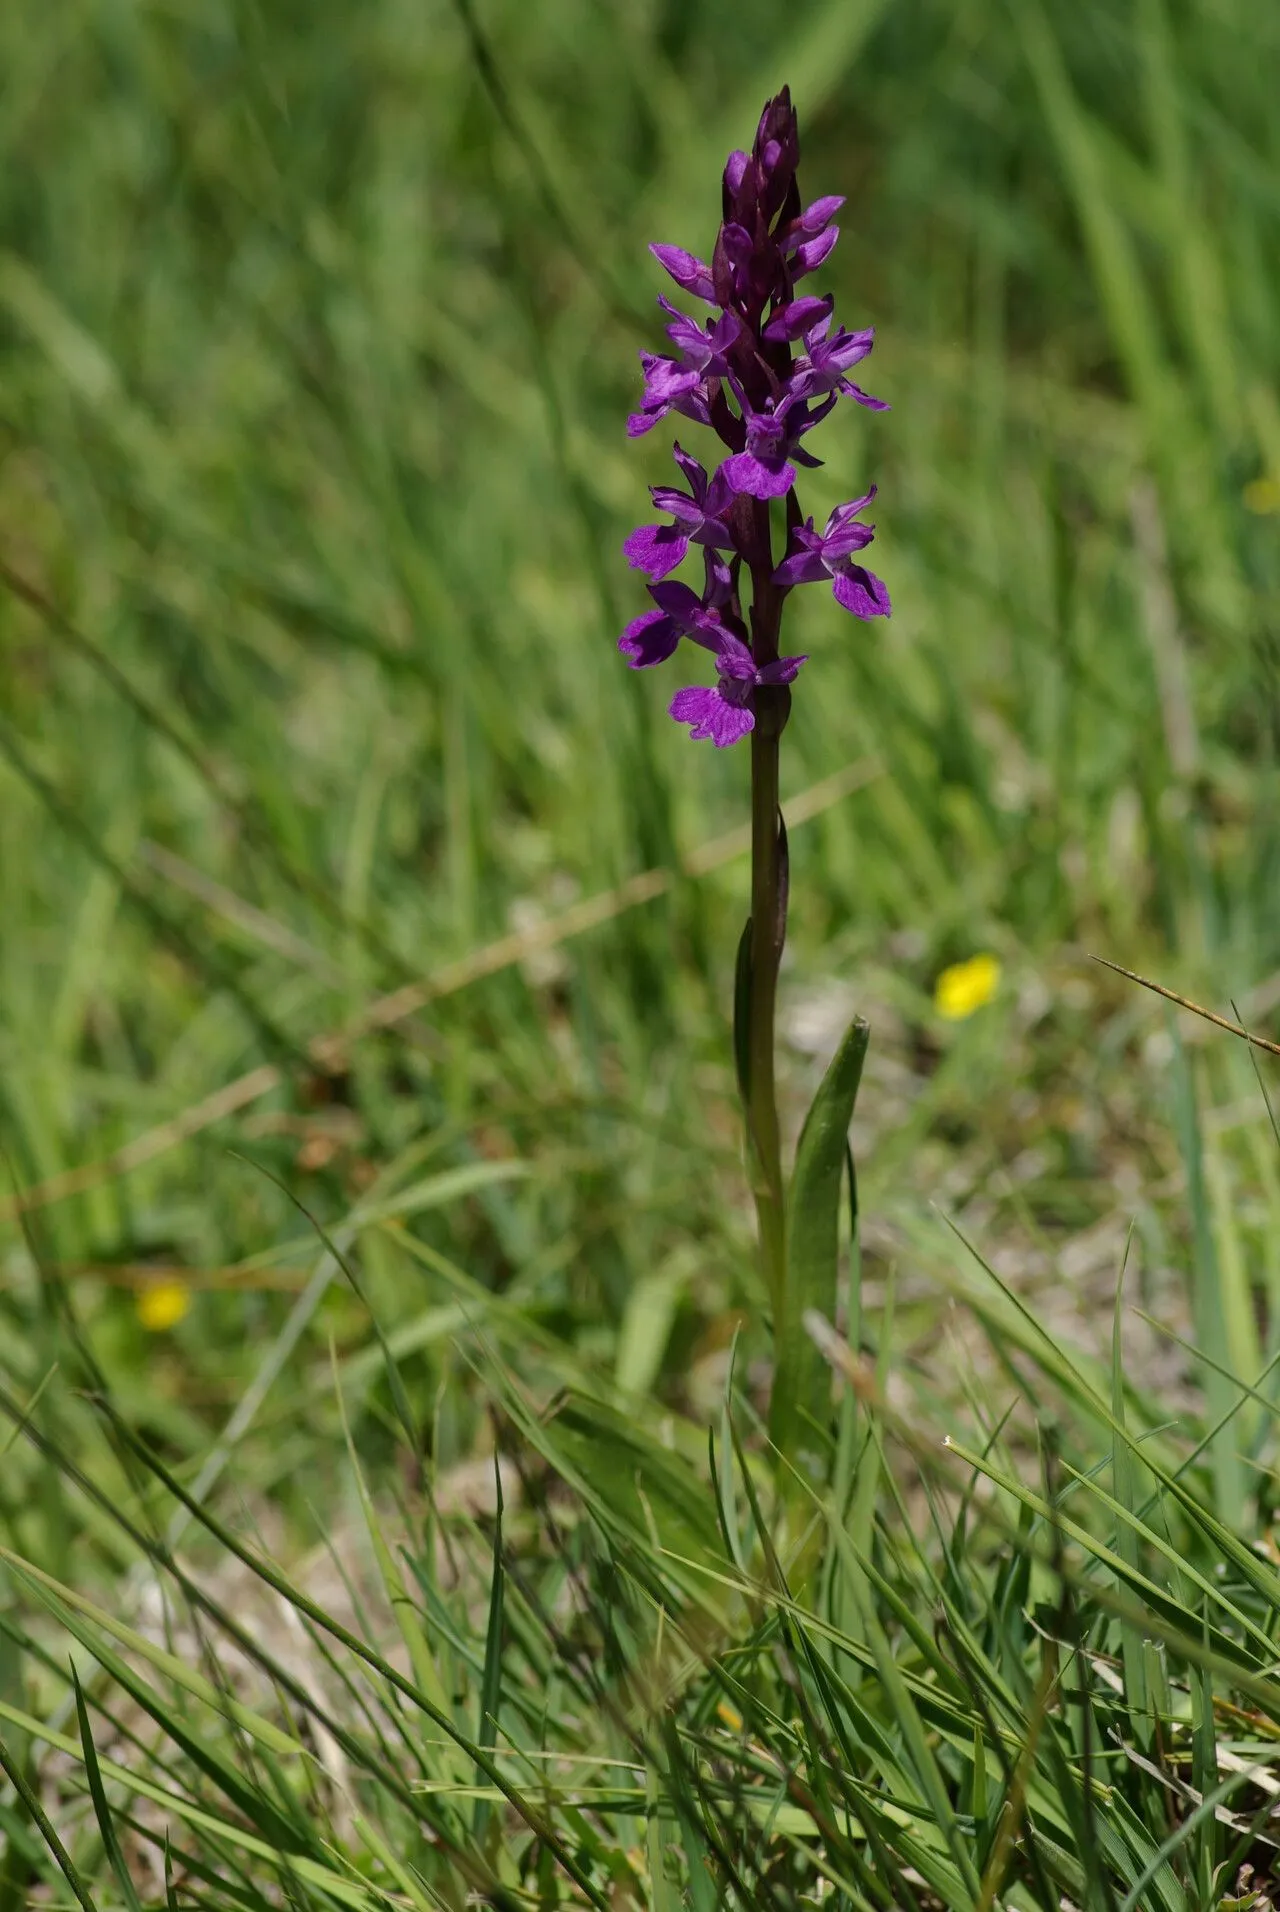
765	469
681	384
762	371
703	348
656	549
826	360
829	554
669	387
723	713
652	637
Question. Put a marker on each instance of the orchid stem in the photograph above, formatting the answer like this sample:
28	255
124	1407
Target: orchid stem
766	954
768	914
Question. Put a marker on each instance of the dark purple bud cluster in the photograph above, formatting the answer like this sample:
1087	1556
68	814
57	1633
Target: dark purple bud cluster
739	374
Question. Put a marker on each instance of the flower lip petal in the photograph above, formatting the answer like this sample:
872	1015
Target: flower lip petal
710	716
861	592
746	472
649	639
655	549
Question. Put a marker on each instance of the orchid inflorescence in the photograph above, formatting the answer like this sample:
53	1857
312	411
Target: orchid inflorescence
737	374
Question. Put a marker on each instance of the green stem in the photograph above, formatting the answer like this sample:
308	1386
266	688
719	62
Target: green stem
768	907
766	954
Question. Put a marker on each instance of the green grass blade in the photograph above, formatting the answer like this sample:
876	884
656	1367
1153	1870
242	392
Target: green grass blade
491	1681
1125	1486
27	1794
102	1811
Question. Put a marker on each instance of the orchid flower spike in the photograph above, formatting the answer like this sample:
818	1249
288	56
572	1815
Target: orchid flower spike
761	372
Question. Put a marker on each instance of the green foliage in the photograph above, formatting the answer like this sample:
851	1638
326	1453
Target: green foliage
997	1697
799	1408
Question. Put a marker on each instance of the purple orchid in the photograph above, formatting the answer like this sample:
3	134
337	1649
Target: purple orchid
668	387
761	372
723	712
826	361
652	637
680	384
656	549
703	349
829	554
765	468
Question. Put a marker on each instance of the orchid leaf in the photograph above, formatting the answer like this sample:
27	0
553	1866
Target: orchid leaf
801	1390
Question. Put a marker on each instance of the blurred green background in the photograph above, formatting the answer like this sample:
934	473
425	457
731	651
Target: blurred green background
318	329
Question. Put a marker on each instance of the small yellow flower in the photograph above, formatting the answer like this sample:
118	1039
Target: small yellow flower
161	1305
1262	495
729	1716
966	986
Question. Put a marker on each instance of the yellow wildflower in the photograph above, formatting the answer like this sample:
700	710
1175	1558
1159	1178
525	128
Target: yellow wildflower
966	986
730	1716
161	1305
1262	495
